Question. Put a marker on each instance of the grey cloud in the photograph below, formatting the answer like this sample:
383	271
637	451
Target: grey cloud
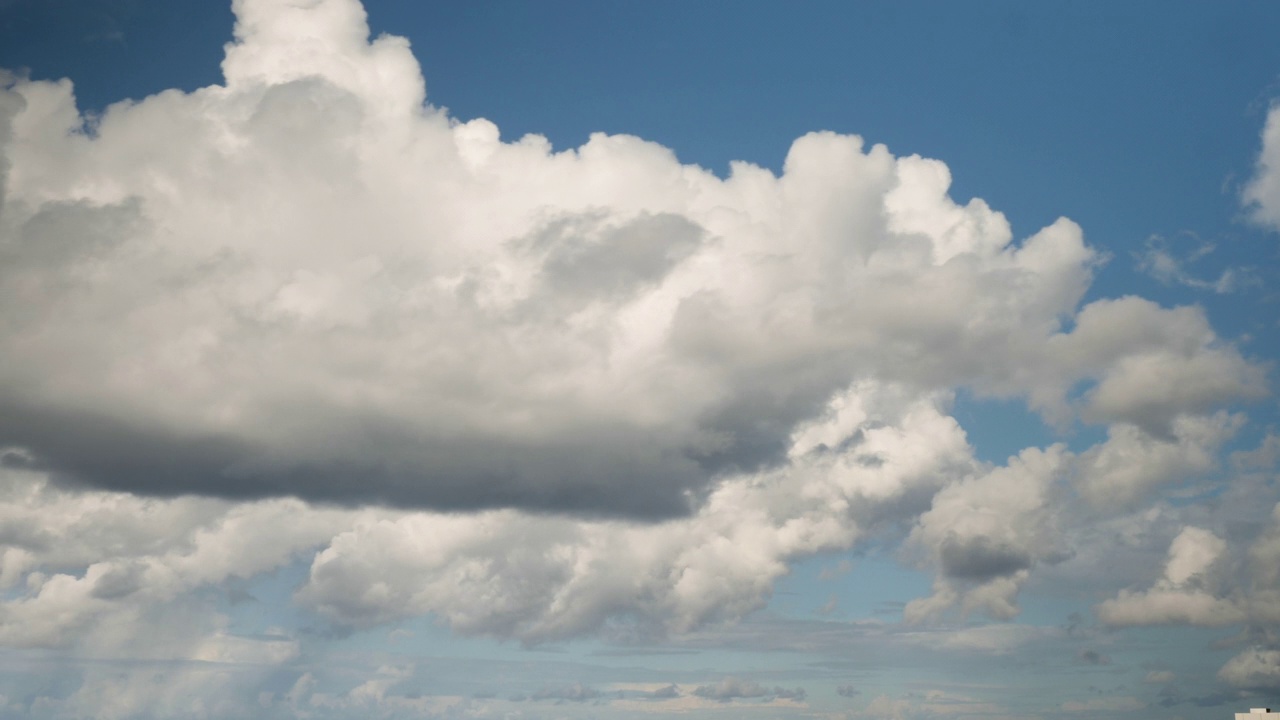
600	471
847	691
665	693
1090	656
981	558
585	257
576	692
798	694
119	582
730	689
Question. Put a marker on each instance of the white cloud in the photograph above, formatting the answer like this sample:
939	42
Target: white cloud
1262	194
1118	473
1254	668
114	574
597	384
1186	593
347	295
537	578
984	534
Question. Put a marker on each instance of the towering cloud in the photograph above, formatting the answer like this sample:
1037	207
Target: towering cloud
305	282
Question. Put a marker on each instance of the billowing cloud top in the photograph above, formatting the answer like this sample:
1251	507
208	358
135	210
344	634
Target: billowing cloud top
307	282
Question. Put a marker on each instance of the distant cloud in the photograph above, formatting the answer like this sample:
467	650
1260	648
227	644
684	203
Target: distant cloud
1160	260
576	692
1090	656
734	689
665	693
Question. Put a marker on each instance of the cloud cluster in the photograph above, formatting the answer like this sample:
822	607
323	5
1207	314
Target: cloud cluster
868	461
302	317
306	282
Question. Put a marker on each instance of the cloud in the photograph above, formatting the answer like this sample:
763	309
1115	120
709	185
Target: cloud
1159	260
1103	705
1262	193
730	689
1090	656
984	533
1255	668
1186	593
1124	470
302	317
665	692
571	693
537	578
348	296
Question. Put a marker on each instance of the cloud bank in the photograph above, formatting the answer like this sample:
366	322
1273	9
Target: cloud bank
306	282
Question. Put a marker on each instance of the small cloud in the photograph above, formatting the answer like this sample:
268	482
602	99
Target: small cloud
848	691
665	693
576	692
1164	263
1159	677
730	689
796	694
1093	657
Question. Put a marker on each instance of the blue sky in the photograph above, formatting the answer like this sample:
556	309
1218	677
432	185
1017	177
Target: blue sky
713	359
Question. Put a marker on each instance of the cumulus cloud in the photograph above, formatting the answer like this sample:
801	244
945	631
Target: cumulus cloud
1262	193
1255	668
1186	593
1124	470
528	392
307	282
984	533
535	577
90	574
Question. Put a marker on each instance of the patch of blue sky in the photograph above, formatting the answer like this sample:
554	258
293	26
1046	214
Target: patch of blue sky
863	586
1000	428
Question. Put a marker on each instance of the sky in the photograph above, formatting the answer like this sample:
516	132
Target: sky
902	361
